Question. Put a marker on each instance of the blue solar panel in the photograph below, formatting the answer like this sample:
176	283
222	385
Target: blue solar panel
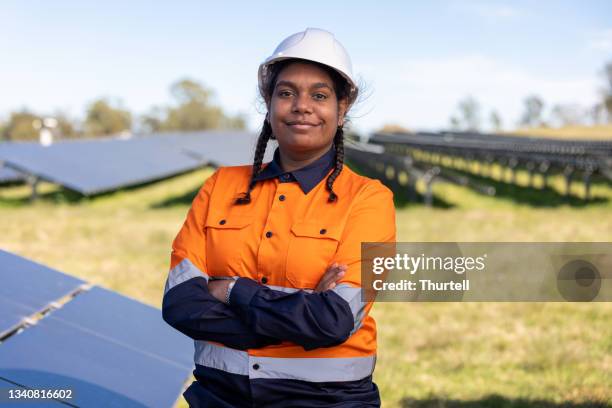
109	349
98	165
101	372
28	287
128	322
8	175
12	315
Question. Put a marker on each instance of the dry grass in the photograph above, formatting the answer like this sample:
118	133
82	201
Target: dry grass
430	355
598	132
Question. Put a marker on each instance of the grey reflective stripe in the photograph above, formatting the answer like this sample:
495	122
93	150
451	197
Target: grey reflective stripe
352	295
222	358
288	290
312	369
279	288
181	273
305	369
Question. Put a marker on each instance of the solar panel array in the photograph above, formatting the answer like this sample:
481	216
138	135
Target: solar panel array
108	349
581	155
95	166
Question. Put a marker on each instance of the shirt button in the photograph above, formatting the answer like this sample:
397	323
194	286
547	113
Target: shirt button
268	234
264	280
222	222
285	177
281	197
255	366
323	231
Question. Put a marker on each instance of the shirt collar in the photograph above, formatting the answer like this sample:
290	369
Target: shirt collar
307	177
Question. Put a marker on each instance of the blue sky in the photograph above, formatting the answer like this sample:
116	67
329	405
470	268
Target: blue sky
418	59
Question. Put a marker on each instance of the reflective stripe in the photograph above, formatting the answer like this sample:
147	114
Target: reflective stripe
313	369
181	273
352	295
288	290
222	358
278	288
304	369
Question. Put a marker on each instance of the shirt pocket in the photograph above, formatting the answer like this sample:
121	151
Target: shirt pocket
312	246
226	244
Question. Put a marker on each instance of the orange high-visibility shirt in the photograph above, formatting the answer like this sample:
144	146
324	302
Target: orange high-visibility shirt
284	240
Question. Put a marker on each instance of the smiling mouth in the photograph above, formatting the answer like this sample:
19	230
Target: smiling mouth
301	125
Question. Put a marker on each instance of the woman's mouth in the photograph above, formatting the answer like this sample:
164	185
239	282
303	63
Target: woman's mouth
302	125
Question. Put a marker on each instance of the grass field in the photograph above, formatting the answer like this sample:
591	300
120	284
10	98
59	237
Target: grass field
467	355
597	132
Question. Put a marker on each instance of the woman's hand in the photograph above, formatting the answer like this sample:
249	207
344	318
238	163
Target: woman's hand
218	288
332	275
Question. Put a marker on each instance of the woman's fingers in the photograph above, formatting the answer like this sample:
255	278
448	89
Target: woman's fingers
332	275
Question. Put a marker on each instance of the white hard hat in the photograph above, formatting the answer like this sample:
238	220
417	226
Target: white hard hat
312	44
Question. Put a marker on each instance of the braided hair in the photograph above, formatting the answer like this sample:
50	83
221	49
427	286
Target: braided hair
260	150
342	89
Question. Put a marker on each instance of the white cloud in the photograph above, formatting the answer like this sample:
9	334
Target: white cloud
601	41
422	94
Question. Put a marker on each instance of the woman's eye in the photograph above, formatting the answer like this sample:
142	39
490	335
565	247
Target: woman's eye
284	93
320	96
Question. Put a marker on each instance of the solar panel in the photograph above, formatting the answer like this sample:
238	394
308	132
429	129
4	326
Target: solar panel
8	175
99	371
109	349
128	322
98	165
28	287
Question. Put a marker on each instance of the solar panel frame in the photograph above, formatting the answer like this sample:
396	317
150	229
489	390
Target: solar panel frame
28	288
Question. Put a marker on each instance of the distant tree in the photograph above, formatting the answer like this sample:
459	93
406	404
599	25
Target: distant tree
568	115
187	90
192	110
153	121
534	106
455	123
195	111
20	126
607	92
104	119
394	128
468	117
597	113
496	121
233	122
66	128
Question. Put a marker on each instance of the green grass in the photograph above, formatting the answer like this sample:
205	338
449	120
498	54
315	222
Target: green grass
430	355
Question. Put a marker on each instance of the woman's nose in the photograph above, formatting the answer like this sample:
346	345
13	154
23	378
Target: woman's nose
302	104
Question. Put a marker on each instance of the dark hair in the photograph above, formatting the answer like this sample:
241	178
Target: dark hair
342	89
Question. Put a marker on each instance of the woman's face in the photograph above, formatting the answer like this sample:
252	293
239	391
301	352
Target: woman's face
304	111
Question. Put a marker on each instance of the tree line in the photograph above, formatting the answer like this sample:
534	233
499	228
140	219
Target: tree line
192	109
468	115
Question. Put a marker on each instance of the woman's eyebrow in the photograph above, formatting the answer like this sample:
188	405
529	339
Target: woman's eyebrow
321	85
316	85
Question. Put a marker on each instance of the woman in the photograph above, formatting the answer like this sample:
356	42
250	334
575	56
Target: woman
265	273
